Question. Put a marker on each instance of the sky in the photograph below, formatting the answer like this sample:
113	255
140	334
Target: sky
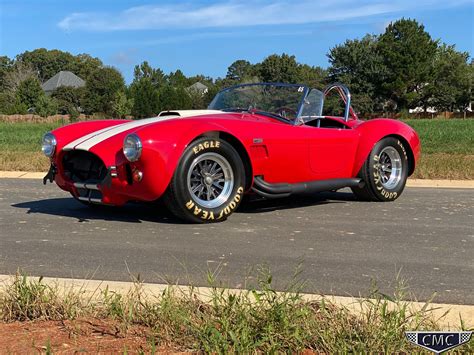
206	36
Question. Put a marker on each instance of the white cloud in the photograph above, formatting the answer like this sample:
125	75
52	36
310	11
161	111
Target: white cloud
240	13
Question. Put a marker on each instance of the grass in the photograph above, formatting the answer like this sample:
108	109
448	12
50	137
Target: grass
449	136
447	147
20	146
257	320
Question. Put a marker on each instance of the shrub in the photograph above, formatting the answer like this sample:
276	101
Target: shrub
46	106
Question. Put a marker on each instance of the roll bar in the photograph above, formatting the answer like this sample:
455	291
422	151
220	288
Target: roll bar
345	95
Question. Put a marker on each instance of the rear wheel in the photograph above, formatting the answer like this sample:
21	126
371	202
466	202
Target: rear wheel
208	183
384	172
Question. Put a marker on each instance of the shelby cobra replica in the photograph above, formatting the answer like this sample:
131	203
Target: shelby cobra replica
266	139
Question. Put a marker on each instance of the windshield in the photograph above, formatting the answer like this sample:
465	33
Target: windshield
283	100
312	106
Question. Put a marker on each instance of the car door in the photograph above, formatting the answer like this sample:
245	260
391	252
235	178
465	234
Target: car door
331	151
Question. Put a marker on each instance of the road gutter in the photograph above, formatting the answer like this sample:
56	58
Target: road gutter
93	288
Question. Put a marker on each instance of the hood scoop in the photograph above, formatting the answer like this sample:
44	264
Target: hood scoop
187	113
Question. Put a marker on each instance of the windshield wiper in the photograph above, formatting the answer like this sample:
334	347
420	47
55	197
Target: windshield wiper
264	113
273	115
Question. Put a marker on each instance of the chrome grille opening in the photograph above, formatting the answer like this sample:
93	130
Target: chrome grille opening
83	166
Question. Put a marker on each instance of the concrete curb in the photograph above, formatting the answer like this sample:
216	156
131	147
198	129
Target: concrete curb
459	184
448	315
21	175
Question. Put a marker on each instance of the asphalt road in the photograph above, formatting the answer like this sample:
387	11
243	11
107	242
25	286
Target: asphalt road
334	243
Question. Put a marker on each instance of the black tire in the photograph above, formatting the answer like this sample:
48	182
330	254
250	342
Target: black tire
384	172
213	200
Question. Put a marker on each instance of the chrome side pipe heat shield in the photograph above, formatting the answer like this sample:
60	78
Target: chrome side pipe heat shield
270	190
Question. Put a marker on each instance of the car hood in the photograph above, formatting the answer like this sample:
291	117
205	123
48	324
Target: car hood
90	140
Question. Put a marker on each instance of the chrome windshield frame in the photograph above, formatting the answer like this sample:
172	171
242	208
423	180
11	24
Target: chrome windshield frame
305	90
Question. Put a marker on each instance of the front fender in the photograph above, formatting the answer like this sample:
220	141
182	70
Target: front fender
163	146
370	132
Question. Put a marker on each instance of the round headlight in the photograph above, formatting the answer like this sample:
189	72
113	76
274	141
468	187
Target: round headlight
132	147
49	144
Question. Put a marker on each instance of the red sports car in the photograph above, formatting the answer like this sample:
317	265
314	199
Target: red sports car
266	139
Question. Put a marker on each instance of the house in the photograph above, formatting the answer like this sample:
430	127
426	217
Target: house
63	78
198	87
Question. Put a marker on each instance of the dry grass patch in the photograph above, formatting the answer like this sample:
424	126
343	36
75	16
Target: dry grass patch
23	161
259	320
445	166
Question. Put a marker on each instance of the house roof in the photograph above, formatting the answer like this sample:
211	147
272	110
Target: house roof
63	78
198	86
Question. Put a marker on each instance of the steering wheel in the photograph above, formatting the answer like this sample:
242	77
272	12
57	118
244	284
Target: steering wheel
283	111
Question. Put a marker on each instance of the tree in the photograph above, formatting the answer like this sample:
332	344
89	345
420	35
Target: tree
277	68
359	65
240	70
10	104
18	73
29	92
145	71
197	99
146	100
122	106
311	76
100	90
69	99
6	65
174	98
210	94
177	79
144	90
407	51
452	80
47	63
84	65
46	106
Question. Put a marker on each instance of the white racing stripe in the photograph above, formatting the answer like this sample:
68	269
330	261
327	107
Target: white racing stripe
71	145
88	141
102	136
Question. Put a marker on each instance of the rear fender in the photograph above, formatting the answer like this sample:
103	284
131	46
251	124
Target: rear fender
370	132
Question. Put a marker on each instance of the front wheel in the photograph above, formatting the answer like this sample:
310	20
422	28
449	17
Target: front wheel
208	183
384	172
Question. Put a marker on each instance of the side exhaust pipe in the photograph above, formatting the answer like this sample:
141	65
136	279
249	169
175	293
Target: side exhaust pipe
279	190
